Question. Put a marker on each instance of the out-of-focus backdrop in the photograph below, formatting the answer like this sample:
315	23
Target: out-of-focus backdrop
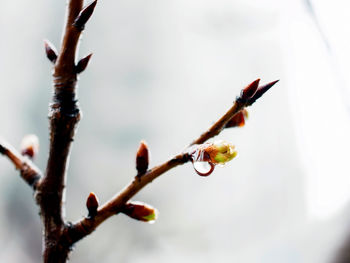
163	71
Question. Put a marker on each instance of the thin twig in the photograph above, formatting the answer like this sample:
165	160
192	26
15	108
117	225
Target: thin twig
218	126
29	172
64	115
85	226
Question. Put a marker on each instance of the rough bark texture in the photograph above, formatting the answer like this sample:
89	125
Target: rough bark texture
64	116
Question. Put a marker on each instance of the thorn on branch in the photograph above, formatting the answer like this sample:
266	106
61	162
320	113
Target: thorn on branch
82	64
50	50
92	205
84	16
140	211
30	146
142	159
261	90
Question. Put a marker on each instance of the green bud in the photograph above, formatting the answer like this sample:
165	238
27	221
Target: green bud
223	152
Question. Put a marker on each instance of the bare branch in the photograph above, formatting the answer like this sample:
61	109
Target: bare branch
29	172
115	205
239	104
85	226
64	116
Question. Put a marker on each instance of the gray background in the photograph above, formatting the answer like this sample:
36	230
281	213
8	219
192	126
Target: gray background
163	71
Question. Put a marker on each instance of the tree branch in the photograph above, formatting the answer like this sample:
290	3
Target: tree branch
64	115
87	225
29	172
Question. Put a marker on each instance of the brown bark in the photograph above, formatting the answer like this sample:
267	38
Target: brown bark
29	172
64	116
58	235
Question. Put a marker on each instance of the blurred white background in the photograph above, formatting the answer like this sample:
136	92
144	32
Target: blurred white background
163	71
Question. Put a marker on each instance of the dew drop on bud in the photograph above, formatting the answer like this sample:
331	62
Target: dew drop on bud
203	168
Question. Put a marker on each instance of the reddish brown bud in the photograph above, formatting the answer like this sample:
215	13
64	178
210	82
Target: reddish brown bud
30	145
250	90
92	204
84	16
82	64
142	158
238	120
2	149
51	52
261	90
140	211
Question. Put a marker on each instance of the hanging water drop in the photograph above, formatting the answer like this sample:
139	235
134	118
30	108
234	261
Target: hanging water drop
203	168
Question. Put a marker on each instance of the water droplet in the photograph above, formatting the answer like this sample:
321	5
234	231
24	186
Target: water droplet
203	168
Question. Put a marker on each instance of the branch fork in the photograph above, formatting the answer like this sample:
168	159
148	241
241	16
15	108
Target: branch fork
60	235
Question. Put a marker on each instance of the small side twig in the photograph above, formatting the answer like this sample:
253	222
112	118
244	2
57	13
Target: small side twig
29	172
59	235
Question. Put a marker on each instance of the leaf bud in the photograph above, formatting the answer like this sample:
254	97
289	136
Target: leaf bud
92	204
30	146
142	158
140	211
249	91
238	120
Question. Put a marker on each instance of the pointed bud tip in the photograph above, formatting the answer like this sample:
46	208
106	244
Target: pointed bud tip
83	63
30	146
250	90
92	200
50	50
261	91
270	84
255	82
84	16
